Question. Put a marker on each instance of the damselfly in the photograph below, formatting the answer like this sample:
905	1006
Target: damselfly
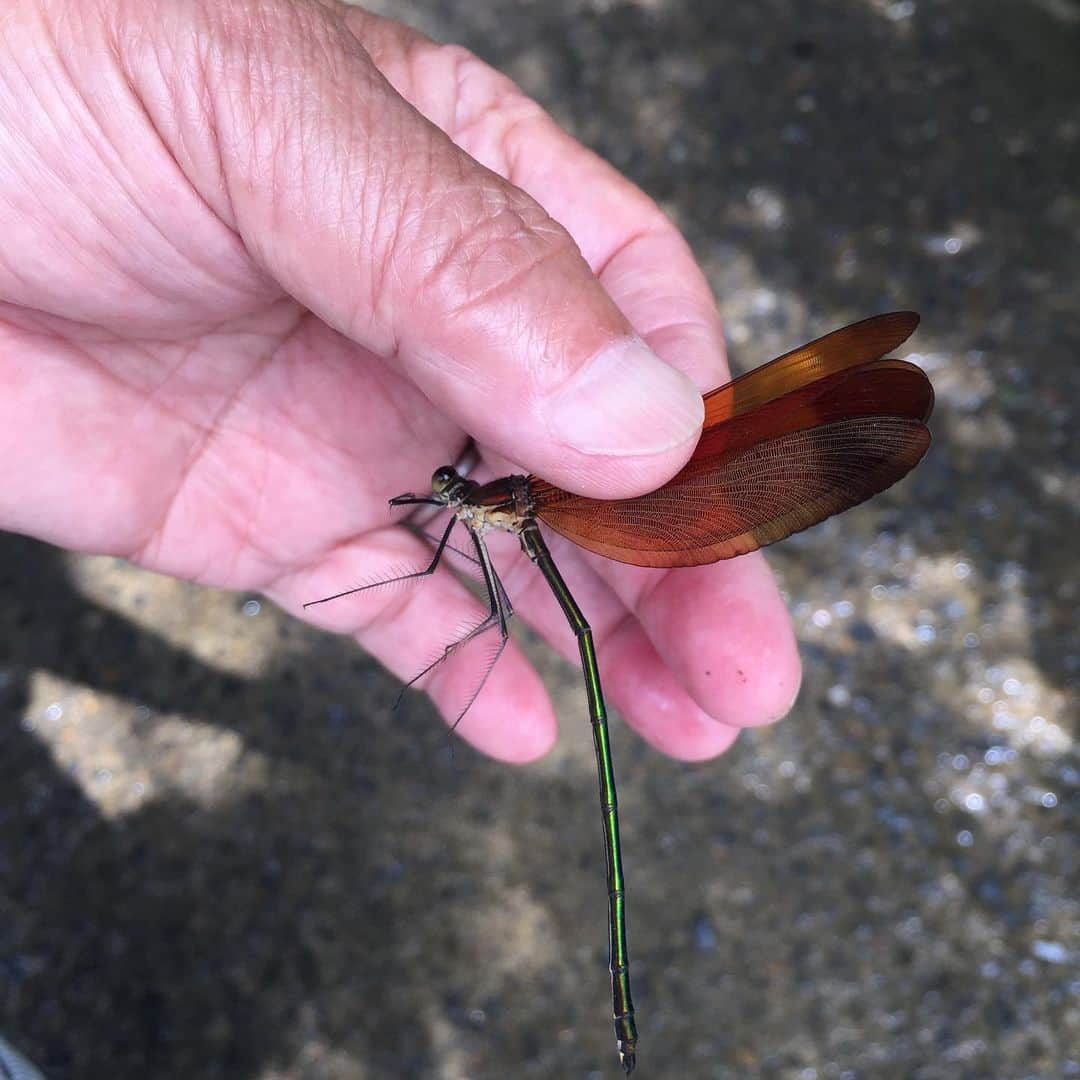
785	446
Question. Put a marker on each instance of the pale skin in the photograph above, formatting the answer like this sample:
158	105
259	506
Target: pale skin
265	264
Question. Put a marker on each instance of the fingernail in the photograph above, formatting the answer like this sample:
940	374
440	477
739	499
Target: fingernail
625	401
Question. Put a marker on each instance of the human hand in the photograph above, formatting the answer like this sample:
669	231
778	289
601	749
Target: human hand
265	263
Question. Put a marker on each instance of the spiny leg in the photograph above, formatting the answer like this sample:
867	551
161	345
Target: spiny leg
500	607
433	537
497	598
427	572
500	610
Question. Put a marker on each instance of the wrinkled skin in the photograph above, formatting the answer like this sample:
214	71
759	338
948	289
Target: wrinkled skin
265	263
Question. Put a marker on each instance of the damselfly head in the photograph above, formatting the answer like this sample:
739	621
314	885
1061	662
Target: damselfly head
447	485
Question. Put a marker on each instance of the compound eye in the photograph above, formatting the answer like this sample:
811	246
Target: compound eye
442	478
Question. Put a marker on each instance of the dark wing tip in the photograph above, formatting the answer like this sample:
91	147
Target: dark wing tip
910	319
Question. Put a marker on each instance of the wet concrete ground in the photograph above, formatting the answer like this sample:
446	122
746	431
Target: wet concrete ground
223	855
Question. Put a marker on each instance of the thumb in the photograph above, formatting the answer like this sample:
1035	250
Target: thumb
375	220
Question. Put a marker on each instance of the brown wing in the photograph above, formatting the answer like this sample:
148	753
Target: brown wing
759	476
846	348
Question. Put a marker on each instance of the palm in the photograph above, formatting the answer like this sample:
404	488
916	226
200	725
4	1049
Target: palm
230	457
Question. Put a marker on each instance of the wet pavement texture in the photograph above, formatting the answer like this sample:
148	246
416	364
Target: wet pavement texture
223	854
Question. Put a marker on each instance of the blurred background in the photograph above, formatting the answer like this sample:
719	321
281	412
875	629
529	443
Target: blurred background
222	854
